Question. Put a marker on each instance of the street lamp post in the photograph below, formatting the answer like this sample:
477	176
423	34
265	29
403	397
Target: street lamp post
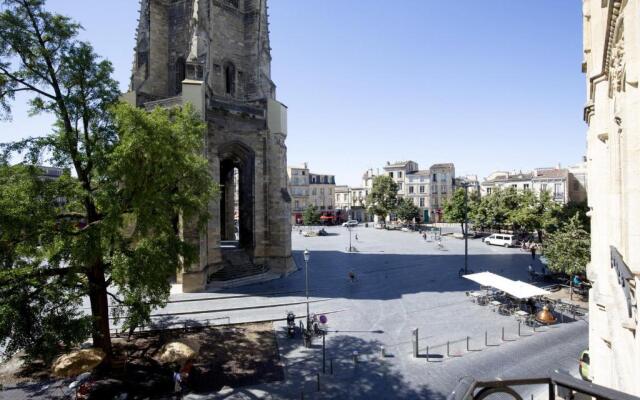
349	227
307	256
465	185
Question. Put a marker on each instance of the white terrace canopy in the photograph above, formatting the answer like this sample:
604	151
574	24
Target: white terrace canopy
518	289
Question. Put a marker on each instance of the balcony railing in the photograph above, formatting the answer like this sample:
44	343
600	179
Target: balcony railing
559	386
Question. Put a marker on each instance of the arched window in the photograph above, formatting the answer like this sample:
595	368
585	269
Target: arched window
180	74
230	79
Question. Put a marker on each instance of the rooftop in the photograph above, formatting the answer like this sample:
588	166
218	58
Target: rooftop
519	177
550	173
423	172
443	165
398	164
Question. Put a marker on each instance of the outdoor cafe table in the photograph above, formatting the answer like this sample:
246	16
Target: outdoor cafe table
521	315
495	304
475	296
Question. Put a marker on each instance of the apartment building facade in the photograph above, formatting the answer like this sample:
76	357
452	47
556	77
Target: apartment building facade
311	189
561	183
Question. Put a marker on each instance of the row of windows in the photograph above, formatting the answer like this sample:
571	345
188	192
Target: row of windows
298	181
314	192
297	206
558	189
328	179
420	189
434	177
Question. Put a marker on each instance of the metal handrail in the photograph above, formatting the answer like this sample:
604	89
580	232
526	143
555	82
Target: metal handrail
470	389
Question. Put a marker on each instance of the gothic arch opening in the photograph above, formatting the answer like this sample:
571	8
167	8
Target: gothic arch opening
230	78
237	169
181	74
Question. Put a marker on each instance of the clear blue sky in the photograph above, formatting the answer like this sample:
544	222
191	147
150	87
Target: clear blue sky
493	84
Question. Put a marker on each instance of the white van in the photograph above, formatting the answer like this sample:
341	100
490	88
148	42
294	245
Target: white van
499	239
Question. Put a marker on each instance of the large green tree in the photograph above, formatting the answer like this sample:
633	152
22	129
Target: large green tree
383	198
134	176
455	207
407	211
535	213
490	211
39	307
311	215
568	249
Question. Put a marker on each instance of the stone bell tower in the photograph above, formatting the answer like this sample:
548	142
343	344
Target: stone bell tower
216	55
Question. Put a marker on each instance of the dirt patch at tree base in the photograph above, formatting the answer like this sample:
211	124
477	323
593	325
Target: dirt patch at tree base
231	355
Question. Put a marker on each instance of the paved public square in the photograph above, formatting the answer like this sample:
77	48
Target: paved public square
402	282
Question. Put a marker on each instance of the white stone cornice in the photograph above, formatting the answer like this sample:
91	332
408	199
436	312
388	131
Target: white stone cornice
615	9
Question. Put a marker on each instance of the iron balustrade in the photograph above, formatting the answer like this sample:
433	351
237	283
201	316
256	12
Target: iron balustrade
626	281
560	386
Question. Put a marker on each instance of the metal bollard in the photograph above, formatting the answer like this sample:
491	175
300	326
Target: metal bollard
355	357
318	377
415	340
447	348
382	354
324	364
519	324
427	354
467	343
486	340
503	333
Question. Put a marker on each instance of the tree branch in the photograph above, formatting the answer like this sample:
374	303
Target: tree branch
40	273
2	94
113	296
27	85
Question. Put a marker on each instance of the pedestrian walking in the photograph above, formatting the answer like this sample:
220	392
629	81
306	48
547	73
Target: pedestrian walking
352	276
424	236
531	272
356	236
177	383
533	251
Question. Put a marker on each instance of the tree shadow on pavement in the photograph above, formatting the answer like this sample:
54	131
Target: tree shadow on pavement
371	376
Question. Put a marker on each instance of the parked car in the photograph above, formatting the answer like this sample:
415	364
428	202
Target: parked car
351	222
583	365
499	239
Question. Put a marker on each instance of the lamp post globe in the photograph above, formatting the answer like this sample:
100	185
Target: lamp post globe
307	256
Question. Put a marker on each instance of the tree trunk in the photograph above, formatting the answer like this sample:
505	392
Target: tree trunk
462	228
100	311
